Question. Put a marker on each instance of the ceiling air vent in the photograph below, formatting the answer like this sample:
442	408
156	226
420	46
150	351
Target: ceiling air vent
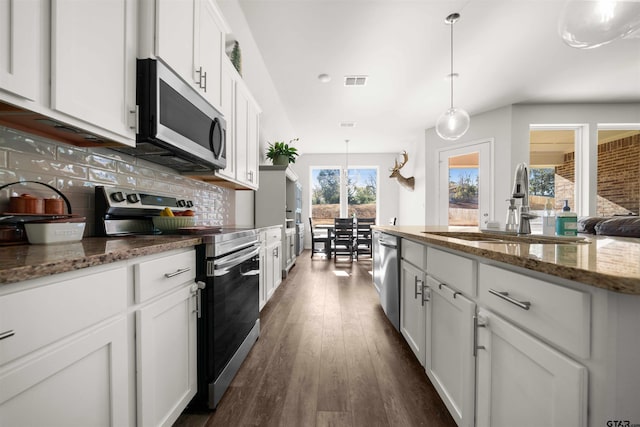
355	80
347	124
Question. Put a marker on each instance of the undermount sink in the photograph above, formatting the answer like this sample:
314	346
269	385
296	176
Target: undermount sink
497	237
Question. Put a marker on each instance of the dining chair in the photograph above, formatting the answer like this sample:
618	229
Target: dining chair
320	237
363	236
343	238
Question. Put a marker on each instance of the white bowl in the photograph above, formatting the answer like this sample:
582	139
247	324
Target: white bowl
172	223
54	232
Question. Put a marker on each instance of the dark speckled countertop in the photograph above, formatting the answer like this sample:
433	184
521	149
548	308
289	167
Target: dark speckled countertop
23	262
611	263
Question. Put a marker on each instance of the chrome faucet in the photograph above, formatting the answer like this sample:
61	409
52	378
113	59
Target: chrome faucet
521	191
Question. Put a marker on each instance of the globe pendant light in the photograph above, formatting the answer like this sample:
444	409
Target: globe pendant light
454	122
586	24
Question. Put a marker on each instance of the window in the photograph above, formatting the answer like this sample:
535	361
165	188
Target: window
618	172
332	196
555	170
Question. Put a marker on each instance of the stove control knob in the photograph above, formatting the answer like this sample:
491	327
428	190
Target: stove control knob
189	204
133	198
182	203
117	197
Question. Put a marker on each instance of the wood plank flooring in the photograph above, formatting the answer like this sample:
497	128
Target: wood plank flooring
327	356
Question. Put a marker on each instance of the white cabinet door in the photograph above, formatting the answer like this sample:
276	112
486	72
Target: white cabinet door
253	145
228	109
174	35
20	51
524	382
412	308
209	41
80	381
449	361
264	279
242	133
93	62
277	266
166	357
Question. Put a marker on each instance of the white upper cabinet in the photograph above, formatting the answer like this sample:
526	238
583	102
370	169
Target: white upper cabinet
20	59
227	106
190	37
174	35
93	62
247	121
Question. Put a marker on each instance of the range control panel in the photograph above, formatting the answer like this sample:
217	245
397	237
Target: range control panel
114	197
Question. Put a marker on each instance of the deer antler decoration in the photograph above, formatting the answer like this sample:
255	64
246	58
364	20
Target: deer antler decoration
395	173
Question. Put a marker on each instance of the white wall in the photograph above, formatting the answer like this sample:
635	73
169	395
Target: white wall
509	128
494	125
412	204
587	115
388	188
274	122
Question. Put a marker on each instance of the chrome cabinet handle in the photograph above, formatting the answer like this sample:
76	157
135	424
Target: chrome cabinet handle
415	286
7	334
203	79
426	293
478	322
178	271
525	305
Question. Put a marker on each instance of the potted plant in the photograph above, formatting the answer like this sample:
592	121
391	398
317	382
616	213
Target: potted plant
281	153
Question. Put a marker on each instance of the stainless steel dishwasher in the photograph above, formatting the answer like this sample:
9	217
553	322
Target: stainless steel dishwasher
386	274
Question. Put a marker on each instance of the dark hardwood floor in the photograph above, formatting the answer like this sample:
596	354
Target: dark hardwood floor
327	356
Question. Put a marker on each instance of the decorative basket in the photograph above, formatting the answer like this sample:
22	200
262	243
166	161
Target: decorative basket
168	224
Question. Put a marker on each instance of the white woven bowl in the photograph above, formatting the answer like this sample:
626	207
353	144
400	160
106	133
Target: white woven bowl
172	223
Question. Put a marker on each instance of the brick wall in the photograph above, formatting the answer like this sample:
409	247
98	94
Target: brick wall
75	171
619	176
565	182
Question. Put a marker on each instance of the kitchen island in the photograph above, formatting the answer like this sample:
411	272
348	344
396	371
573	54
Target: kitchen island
514	331
611	263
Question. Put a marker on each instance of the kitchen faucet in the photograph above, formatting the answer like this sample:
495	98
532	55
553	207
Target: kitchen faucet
521	191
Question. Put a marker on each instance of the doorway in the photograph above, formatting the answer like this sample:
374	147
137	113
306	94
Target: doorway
465	184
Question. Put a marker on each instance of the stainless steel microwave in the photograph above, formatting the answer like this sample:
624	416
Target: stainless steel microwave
177	127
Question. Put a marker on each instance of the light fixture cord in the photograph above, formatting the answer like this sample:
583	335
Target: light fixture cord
451	75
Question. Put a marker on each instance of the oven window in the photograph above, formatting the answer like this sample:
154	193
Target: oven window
235	309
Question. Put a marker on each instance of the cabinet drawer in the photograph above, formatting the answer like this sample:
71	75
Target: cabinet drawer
42	315
453	270
415	253
557	314
274	235
159	275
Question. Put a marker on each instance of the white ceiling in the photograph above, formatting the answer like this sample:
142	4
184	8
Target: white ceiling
506	52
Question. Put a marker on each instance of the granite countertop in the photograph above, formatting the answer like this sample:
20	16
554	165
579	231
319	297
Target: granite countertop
23	262
611	263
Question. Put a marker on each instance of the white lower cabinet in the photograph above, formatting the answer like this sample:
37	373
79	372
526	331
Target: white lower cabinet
80	382
165	337
412	308
449	357
64	350
524	382
166	357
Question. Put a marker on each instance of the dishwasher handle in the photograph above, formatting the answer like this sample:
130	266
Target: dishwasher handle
387	245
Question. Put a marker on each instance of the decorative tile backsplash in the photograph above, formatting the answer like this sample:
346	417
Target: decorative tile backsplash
75	171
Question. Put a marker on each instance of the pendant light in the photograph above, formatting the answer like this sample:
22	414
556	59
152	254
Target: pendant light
454	122
586	24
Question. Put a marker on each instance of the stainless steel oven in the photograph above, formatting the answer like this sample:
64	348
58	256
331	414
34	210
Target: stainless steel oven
229	267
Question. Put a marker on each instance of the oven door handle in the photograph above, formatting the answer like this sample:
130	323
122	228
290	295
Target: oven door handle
234	259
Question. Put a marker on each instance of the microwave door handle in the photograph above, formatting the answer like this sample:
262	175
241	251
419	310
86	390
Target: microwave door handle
214	132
